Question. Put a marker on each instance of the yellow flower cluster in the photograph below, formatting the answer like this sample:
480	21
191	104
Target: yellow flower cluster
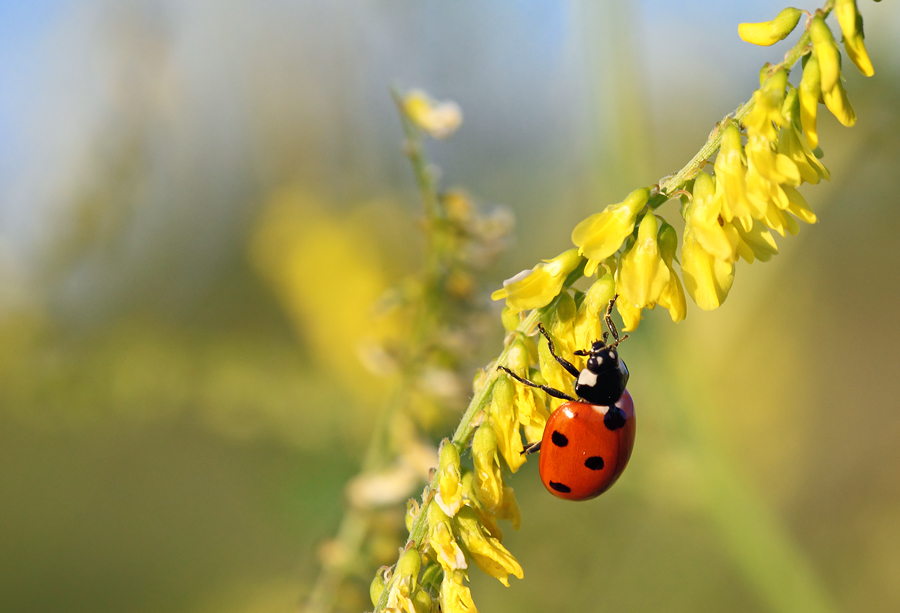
765	153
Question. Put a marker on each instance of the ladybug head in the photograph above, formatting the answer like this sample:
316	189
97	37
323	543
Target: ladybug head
602	357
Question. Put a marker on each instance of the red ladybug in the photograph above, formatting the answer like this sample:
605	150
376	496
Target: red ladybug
587	441
581	457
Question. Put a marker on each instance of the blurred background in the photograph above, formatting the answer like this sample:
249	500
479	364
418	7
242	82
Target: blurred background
180	408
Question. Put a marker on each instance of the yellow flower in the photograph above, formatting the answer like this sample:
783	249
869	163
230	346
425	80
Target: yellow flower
809	92
441	540
488	478
533	289
706	279
851	26
837	102
770	32
766	111
600	235
589	326
449	495
798	206
792	144
731	181
486	551
760	242
562	331
471	499
672	297
717	236
503	419
403	583
630	314
437	119
767	171
643	275
827	53
509	508
456	597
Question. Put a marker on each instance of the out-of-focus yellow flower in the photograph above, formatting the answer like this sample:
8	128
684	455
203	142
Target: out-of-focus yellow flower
486	551
706	279
766	112
442	541
672	297
770	32
717	236
437	119
792	144
449	495
503	418
839	104
852	27
779	221
600	235
535	288
731	181
455	596
488	477
809	92
827	53
589	326
643	275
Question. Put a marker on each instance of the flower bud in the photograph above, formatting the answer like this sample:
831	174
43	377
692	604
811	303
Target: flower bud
600	235
376	588
408	566
770	32
839	104
827	53
809	91
852	28
422	601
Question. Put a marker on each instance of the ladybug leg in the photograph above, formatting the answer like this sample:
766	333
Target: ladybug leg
531	448
563	362
611	325
549	390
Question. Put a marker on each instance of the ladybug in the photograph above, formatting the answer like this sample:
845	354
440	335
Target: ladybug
587	440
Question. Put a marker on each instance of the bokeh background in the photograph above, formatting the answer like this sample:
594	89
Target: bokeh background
179	411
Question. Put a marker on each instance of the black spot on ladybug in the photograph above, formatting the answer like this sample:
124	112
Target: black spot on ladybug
559	440
614	418
559	487
594	462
